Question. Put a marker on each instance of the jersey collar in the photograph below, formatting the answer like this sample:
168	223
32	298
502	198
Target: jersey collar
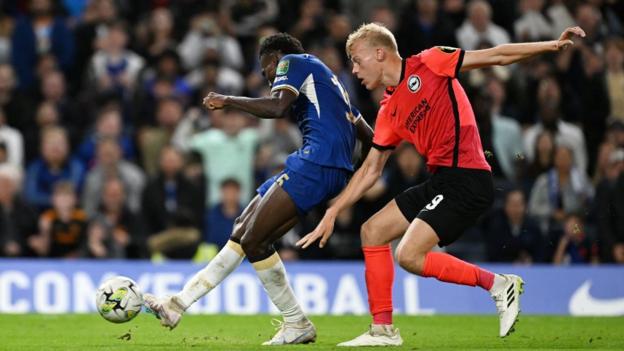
390	90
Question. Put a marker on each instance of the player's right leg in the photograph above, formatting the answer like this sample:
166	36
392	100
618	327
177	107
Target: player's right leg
377	233
458	198
170	309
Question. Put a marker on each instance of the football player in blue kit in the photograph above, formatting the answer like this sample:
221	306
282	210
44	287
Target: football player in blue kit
305	87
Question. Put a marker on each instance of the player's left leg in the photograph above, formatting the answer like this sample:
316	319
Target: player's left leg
414	255
276	210
377	233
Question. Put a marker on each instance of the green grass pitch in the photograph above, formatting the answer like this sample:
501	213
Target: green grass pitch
222	332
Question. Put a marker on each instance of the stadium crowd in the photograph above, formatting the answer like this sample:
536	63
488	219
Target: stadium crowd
106	151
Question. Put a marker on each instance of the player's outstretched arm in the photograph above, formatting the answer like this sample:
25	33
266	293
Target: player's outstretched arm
274	106
507	54
365	136
362	180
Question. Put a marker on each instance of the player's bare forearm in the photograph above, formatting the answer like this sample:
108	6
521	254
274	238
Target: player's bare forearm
274	106
364	135
265	107
507	54
362	180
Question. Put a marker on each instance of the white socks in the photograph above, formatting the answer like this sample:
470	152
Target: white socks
273	276
499	283
205	280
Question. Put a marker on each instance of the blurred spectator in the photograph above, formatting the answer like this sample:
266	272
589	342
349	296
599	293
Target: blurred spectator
6	27
155	35
422	26
511	235
614	57
585	91
14	103
97	16
109	125
346	242
114	231
500	136
544	150
532	25
54	91
204	34
113	67
479	27
214	76
18	221
561	191
38	33
309	25
170	198
243	18
63	228
559	16
282	135
575	246
220	218
109	164
12	141
549	100
169	113
217	145
46	116
53	165
332	57
604	209
588	17
407	171
168	68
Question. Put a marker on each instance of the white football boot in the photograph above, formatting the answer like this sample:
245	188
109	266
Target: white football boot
507	301
377	335
167	309
301	332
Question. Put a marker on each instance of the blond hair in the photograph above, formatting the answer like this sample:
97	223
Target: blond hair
376	35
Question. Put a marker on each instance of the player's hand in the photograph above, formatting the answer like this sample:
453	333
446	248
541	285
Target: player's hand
323	231
214	101
565	40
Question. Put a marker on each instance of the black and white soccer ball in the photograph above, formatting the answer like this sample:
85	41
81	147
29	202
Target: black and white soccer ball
119	299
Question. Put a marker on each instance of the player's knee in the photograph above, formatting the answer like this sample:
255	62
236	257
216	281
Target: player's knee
410	261
369	234
239	228
249	245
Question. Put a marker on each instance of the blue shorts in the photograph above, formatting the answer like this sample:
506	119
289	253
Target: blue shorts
307	183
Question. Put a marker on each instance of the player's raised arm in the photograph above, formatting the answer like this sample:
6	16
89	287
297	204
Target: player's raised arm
275	106
362	180
507	54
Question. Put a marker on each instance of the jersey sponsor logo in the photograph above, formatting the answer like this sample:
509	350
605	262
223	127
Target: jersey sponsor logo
413	83
447	49
279	79
418	114
583	303
282	67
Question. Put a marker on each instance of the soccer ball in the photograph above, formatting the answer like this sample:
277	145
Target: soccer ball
119	299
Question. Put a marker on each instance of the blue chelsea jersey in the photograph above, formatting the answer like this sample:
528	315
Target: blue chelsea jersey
324	114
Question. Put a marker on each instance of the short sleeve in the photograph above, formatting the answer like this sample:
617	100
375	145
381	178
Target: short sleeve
290	74
355	114
443	60
384	137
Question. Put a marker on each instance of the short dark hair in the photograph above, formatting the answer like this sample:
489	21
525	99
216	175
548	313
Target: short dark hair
230	182
281	42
